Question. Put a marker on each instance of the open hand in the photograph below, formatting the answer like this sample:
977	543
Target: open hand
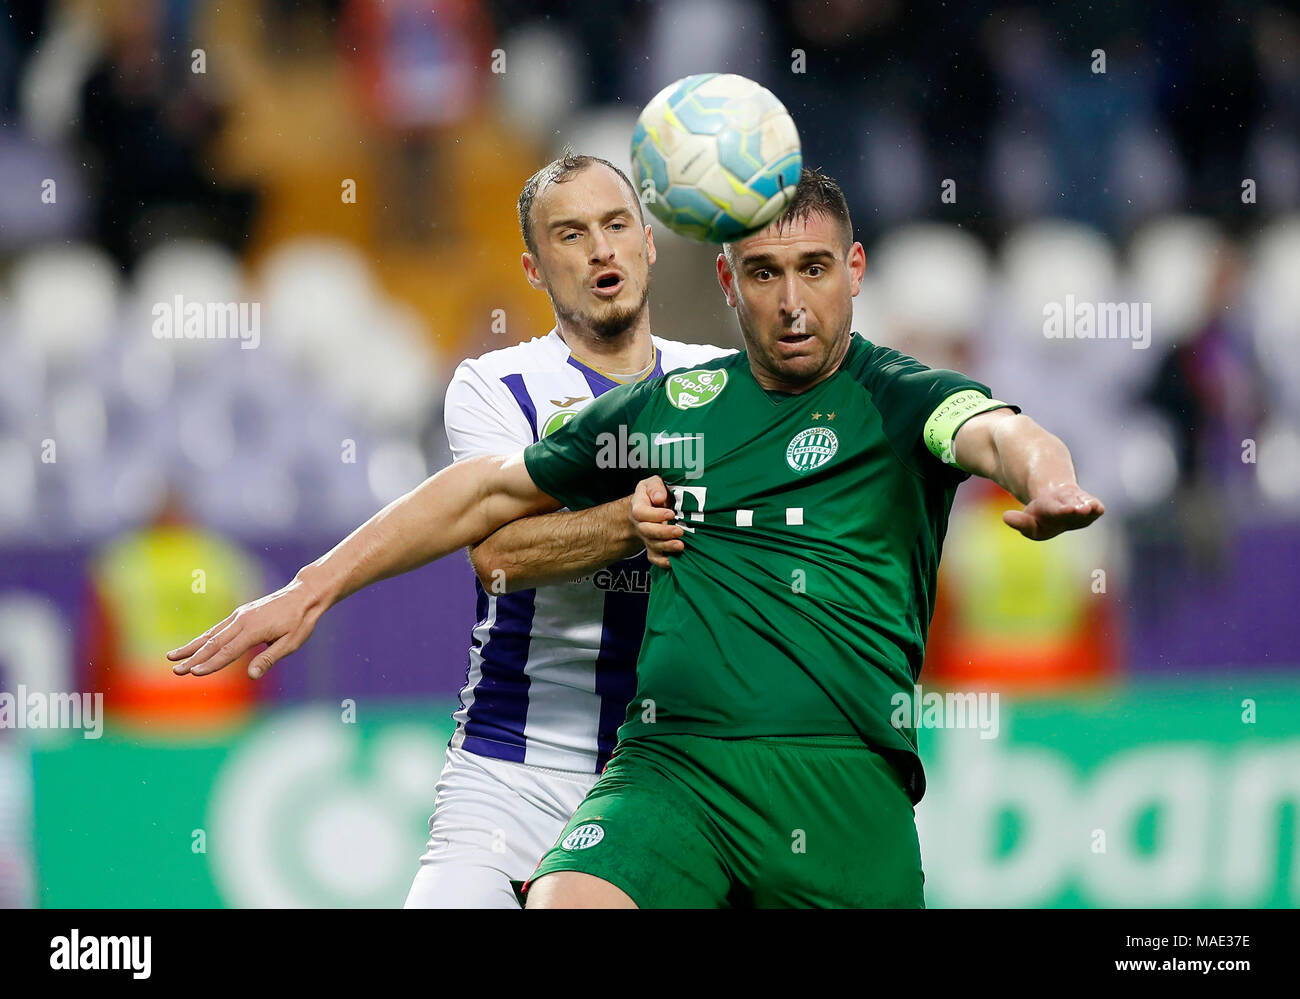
1059	509
282	620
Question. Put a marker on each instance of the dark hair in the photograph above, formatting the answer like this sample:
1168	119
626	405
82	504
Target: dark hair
557	172
815	194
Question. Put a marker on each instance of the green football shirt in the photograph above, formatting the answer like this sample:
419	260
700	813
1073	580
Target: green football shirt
814	528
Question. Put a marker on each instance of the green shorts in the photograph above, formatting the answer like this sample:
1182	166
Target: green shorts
690	821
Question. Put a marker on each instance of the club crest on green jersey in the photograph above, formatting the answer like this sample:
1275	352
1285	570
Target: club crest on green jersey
586	835
692	389
811	448
557	420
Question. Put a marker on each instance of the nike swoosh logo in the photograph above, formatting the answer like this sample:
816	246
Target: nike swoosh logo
569	401
661	438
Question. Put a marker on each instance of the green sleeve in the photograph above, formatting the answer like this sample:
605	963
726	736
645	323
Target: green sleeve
922	408
579	464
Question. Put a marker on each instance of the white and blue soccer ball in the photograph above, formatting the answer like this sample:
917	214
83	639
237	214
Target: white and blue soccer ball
715	156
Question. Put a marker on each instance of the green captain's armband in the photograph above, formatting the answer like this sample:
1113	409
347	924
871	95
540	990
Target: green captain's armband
944	422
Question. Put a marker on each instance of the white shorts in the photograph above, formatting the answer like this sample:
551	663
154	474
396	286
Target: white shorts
492	821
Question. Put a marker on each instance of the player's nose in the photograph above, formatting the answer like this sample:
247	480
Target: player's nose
602	250
791	297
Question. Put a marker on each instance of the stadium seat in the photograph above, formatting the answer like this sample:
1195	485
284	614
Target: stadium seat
397	356
603	132
1045	262
1145	462
1060	382
1279	465
197	272
541	85
686	35
1275	308
1172	265
65	302
17	488
317	296
932	281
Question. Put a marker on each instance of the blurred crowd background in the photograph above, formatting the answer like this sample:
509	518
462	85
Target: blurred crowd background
350	169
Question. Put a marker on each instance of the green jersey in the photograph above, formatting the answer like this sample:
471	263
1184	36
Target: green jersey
814	522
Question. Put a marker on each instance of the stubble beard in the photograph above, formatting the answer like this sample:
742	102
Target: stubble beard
789	372
607	324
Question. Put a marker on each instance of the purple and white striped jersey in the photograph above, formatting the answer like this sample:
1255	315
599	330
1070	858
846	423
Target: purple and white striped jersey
551	670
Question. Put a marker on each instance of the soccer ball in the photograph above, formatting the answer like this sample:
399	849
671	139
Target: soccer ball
715	156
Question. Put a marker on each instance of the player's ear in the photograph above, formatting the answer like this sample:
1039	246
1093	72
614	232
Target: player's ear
727	280
532	272
650	254
857	262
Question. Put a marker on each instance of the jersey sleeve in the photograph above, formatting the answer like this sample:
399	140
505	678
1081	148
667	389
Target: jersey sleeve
923	408
703	353
482	417
583	464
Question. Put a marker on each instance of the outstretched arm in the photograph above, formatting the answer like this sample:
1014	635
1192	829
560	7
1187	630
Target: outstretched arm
459	506
1031	464
555	547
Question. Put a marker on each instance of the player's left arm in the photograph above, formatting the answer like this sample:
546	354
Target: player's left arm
555	547
1031	464
482	417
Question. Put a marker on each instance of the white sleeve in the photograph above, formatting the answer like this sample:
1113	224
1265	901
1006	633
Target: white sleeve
711	352
482	417
702	353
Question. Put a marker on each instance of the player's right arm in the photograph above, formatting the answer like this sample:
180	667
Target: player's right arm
460	505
